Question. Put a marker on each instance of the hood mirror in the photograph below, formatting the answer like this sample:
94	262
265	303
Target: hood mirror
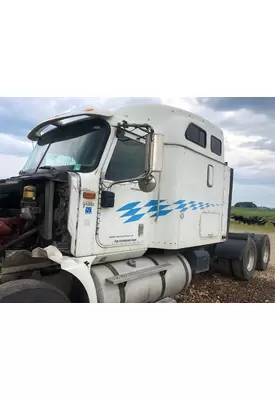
147	184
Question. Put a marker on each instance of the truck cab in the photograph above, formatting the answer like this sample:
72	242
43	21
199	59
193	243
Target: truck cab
111	209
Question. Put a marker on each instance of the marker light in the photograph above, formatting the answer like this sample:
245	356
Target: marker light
89	195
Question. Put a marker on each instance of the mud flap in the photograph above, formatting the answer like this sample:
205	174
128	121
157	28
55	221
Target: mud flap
232	249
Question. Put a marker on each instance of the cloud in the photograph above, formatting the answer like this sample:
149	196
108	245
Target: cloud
264	105
10	165
10	144
14	152
260	144
34	110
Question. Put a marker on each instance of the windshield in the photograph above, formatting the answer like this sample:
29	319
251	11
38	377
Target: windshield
75	146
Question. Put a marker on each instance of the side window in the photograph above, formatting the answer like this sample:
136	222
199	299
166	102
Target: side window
127	161
196	135
216	146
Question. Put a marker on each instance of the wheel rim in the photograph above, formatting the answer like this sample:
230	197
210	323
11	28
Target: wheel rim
265	252
251	259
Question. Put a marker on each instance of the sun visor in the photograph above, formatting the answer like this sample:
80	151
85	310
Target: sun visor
60	120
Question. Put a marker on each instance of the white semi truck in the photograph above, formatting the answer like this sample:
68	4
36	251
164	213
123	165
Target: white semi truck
121	207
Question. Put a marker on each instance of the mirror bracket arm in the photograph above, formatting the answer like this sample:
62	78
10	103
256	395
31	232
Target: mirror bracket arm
124	127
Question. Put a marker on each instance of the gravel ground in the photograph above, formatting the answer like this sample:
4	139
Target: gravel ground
213	288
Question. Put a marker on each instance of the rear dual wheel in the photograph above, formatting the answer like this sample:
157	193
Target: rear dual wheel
256	256
263	251
245	268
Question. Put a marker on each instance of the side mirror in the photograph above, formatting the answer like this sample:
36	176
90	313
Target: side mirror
154	147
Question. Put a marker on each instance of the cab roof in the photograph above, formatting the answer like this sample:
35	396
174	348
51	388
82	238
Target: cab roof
160	116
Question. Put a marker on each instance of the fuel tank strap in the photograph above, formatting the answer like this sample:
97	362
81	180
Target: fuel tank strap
162	276
121	286
186	272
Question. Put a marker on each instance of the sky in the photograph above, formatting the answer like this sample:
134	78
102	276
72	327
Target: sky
248	125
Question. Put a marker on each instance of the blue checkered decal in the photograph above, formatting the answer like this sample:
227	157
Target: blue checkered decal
133	212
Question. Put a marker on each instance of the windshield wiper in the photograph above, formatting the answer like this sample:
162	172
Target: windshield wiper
49	167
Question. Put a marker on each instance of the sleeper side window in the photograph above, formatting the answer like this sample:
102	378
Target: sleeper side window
216	146
127	161
196	135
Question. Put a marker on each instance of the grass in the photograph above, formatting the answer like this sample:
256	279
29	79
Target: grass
235	226
252	212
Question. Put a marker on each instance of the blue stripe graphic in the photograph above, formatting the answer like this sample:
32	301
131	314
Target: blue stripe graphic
134	211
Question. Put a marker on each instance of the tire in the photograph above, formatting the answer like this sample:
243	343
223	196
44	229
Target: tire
30	291
263	250
244	269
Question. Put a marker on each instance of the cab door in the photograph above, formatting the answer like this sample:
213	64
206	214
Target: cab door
124	223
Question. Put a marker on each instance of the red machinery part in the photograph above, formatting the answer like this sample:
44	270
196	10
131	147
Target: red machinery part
7	225
5	230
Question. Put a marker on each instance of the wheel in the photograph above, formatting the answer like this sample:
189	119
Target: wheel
244	269
263	251
30	291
